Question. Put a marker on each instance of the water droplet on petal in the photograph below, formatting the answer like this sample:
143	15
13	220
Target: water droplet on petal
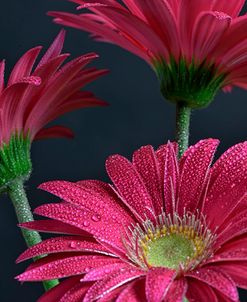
96	218
86	223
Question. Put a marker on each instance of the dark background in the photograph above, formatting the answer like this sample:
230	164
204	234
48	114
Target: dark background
137	116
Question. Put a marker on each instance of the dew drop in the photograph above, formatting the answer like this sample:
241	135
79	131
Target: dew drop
96	218
86	223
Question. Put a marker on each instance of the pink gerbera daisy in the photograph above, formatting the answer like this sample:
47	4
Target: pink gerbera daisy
196	47
166	230
34	97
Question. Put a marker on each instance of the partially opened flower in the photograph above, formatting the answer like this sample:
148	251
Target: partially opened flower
166	229
196	47
33	97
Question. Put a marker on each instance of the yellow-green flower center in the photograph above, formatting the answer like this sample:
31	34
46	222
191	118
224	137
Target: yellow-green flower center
169	251
179	243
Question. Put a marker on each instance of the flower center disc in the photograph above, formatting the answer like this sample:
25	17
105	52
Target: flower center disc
169	251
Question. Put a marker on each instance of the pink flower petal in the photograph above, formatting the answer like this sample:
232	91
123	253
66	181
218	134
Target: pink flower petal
76	293
65	267
85	220
227	173
171	177
200	292
105	271
54	131
53	226
130	186
158	281
145	162
215	278
135	292
55	294
194	174
177	291
54	50
102	287
237	270
232	8
24	66
208	29
103	205
62	245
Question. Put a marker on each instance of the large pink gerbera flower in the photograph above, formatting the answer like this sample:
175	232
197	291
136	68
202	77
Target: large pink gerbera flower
166	230
195	46
34	97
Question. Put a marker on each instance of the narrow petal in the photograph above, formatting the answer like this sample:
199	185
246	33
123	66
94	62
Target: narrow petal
85	220
54	50
103	205
102	287
146	164
216	279
55	294
61	268
232	8
208	30
194	174
2	69
237	270
24	66
158	281
226	173
54	131
76	293
200	292
62	245
135	292
130	186
53	226
177	291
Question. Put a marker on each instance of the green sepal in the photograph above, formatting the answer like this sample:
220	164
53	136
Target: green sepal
192	84
15	161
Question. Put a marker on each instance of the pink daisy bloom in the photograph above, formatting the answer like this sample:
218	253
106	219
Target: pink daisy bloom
196	47
35	96
165	230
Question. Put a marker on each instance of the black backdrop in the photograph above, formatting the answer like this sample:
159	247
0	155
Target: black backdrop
137	116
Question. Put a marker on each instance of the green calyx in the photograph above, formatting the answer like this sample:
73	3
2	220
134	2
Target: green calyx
169	251
15	161
192	84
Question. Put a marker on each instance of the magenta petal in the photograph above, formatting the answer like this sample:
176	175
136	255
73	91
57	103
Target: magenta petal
158	281
85	220
55	294
177	291
104	286
200	292
104	271
54	131
146	164
62	245
54	50
135	292
170	178
130	186
194	173
216	279
73	265
237	270
86	196
76	293
53	226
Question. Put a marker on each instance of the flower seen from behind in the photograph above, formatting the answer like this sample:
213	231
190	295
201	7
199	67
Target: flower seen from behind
36	94
196	47
165	230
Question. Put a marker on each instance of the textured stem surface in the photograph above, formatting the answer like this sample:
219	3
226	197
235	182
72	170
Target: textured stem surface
182	128
24	214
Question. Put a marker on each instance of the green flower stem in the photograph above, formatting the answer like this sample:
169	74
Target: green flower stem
24	214
186	300
182	128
